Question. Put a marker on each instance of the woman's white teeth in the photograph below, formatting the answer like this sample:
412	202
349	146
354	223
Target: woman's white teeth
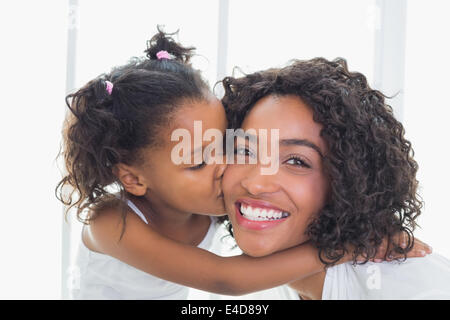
260	214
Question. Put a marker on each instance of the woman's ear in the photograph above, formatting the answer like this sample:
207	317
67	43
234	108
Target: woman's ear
130	178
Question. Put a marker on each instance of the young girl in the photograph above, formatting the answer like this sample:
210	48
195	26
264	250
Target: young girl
148	241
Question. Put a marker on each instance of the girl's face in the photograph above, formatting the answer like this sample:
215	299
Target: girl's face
193	188
271	212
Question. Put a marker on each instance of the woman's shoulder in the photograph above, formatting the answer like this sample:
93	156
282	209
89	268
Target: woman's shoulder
417	278
414	278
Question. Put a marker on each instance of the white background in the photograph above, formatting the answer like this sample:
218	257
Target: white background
34	60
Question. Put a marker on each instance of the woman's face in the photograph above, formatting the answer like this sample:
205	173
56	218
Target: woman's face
271	212
194	188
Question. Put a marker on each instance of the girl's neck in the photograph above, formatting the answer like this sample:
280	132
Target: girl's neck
181	226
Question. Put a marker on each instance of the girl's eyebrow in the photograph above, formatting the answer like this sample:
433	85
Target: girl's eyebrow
301	142
200	149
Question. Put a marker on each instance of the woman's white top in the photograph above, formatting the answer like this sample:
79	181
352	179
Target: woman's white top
100	276
415	278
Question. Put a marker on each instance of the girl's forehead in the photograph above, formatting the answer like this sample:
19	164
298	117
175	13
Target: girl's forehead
210	113
192	119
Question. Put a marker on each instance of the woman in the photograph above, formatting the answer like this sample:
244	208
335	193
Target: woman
346	178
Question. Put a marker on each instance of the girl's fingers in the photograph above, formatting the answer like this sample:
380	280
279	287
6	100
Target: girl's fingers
420	249
381	251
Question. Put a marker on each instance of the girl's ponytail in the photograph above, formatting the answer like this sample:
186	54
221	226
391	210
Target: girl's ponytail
164	42
89	147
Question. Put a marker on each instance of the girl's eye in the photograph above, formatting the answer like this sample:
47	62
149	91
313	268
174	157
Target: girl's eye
201	165
295	161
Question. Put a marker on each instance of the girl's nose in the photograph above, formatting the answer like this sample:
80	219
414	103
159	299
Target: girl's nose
220	169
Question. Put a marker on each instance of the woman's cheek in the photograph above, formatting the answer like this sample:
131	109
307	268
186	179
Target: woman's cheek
307	194
230	179
321	191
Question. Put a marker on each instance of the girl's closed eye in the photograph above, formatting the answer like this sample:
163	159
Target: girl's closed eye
199	166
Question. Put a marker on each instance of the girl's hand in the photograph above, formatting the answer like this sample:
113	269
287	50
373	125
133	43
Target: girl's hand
385	252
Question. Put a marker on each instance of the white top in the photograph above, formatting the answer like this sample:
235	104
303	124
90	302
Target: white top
225	245
100	276
416	278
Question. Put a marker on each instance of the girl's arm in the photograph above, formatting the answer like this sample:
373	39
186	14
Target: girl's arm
151	252
147	250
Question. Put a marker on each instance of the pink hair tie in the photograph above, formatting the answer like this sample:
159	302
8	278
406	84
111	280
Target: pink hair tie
109	87
163	55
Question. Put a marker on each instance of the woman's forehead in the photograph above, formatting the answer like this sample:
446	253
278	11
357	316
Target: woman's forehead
289	114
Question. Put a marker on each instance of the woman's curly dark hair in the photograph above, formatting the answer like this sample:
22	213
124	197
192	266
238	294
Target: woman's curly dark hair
370	164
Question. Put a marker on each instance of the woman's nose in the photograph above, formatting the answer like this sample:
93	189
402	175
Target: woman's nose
256	183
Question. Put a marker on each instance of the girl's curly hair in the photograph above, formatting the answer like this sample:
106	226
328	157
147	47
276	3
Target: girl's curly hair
372	172
103	129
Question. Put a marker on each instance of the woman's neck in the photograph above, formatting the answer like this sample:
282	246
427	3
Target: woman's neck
310	288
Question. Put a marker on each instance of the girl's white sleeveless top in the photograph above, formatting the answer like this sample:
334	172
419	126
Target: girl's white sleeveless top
100	276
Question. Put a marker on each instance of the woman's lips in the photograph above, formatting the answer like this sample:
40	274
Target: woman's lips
269	220
259	204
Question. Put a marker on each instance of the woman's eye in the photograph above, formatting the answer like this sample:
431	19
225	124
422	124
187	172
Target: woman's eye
297	162
243	151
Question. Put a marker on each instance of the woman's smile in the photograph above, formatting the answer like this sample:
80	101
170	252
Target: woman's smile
258	215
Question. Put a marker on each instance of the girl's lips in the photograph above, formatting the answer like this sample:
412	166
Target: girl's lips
256	225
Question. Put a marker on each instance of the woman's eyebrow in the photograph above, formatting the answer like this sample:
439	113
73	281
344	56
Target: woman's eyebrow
301	142
285	142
